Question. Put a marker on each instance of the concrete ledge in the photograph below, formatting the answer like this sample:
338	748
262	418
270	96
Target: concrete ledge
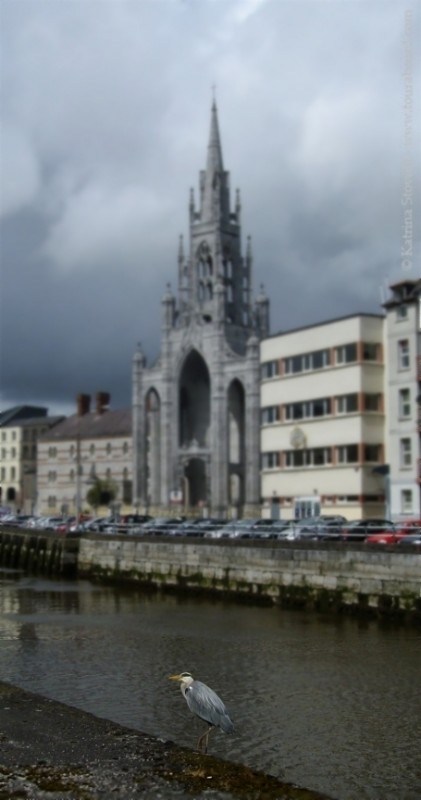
50	750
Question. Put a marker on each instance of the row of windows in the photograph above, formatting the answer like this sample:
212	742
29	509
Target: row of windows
29	435
318	359
321	407
52	475
52	451
321	456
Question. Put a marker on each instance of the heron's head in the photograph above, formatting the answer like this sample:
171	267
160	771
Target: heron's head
184	678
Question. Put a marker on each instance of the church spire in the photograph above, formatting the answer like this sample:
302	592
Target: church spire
214	180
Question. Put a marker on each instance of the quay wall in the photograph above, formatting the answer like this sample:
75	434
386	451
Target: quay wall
356	578
323	576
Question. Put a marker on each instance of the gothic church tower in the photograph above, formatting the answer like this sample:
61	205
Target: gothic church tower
196	411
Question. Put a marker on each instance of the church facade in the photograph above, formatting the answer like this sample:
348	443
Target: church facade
196	412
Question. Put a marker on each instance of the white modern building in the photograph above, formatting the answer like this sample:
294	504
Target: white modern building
322	418
403	396
85	446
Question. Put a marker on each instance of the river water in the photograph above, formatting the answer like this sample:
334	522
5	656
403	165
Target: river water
333	705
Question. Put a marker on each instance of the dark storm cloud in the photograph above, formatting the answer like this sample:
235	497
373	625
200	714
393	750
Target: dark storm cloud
105	124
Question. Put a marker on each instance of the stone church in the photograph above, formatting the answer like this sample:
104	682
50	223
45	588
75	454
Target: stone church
196	423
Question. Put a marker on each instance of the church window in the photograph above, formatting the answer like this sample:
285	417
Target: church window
201	292
209	291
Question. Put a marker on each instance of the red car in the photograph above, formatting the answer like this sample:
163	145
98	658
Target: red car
391	537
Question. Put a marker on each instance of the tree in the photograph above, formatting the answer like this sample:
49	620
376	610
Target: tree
102	493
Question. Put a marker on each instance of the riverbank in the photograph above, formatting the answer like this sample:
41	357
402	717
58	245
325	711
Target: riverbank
50	750
334	577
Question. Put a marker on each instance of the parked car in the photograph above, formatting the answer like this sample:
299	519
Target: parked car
410	539
402	530
359	530
325	526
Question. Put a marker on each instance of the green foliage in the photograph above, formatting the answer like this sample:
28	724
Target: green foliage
102	493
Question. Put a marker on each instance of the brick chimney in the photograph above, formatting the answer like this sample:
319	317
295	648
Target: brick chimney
102	402
83	404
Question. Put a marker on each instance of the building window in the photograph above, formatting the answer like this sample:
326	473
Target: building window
72	450
92	449
72	474
401	312
51	501
347	403
372	402
3	436
370	351
52	452
25	451
3	452
12	473
270	369
406	453
13	436
372	452
404	403
307	361
347	454
125	448
3	473
346	353
314	457
108	474
52	476
13	452
403	354
108	449
269	414
311	408
270	460
406	501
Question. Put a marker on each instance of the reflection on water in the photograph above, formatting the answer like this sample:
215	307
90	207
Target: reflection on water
331	705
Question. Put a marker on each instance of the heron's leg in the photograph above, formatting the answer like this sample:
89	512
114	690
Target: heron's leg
204	739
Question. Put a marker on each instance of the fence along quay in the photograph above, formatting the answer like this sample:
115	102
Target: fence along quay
376	581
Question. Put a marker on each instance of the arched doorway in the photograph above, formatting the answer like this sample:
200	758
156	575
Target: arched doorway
195	477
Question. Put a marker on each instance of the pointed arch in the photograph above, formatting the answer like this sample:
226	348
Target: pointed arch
236	441
194	401
153	446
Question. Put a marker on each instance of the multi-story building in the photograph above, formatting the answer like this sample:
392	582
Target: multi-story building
403	393
322	418
20	430
87	446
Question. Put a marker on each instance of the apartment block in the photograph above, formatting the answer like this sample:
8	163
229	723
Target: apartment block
323	419
403	398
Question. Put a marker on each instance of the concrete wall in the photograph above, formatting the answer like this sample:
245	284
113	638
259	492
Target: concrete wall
307	575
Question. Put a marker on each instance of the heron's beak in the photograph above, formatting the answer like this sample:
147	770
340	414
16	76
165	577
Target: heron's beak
174	677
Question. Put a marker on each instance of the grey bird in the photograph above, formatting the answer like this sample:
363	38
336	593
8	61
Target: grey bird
206	704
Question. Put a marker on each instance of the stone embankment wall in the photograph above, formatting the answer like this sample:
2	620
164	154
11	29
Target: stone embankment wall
308	575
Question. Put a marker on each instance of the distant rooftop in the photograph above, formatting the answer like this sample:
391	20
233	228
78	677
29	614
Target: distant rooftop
91	425
21	412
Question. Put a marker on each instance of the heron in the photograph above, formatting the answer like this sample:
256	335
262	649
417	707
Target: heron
206	704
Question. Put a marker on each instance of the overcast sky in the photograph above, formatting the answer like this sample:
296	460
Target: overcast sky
105	124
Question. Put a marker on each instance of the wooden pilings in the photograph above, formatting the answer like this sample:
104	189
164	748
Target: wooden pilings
38	553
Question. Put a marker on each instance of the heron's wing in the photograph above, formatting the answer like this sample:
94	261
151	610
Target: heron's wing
206	704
